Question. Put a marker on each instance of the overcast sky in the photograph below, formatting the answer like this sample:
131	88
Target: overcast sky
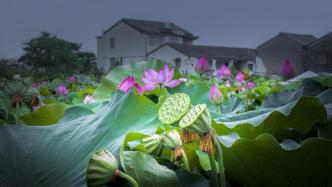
241	23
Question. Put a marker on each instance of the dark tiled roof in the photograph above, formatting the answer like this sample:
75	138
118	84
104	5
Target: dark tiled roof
327	38
157	28
215	52
303	39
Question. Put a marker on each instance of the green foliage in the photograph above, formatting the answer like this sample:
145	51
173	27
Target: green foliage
50	56
264	162
283	140
139	165
45	115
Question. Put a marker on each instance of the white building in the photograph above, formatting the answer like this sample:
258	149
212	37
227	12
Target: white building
185	56
130	40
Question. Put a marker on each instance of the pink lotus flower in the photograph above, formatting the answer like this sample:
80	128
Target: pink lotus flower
215	95
202	65
153	79
239	76
228	83
288	69
128	83
251	85
88	99
243	89
62	90
71	79
224	72
34	85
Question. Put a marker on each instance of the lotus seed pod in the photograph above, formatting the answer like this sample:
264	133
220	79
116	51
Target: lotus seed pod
173	108
102	167
171	139
197	120
153	144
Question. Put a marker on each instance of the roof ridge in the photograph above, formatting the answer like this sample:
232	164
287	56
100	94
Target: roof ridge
228	47
300	34
145	20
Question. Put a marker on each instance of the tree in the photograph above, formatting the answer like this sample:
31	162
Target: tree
51	55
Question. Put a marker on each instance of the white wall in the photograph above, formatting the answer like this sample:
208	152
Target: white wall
169	54
129	44
163	39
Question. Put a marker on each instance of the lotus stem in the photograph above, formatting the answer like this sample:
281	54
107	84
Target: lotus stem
185	160
246	94
218	109
214	176
222	179
128	178
17	113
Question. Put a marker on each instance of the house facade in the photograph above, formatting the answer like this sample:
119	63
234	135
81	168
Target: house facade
185	56
130	40
306	52
320	54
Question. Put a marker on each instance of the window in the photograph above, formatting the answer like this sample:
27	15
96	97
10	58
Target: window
173	40
177	62
112	43
251	67
155	41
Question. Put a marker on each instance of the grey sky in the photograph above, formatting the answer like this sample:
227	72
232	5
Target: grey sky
242	23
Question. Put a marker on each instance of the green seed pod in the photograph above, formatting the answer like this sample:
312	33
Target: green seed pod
153	144
173	108
102	167
197	120
171	139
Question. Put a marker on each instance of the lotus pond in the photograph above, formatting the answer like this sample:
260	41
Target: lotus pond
147	125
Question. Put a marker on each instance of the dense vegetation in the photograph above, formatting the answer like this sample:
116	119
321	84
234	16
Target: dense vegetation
147	125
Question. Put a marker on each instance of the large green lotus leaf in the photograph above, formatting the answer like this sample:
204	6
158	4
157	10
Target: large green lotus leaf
297	117
187	179
45	115
58	155
131	136
76	112
324	79
147	171
265	162
110	82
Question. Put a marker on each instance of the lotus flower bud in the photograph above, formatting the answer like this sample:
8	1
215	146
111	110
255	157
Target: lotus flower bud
173	108
288	69
128	83
202	65
197	120
239	76
171	139
215	95
153	144
71	79
228	83
88	99
251	85
102	168
224	72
